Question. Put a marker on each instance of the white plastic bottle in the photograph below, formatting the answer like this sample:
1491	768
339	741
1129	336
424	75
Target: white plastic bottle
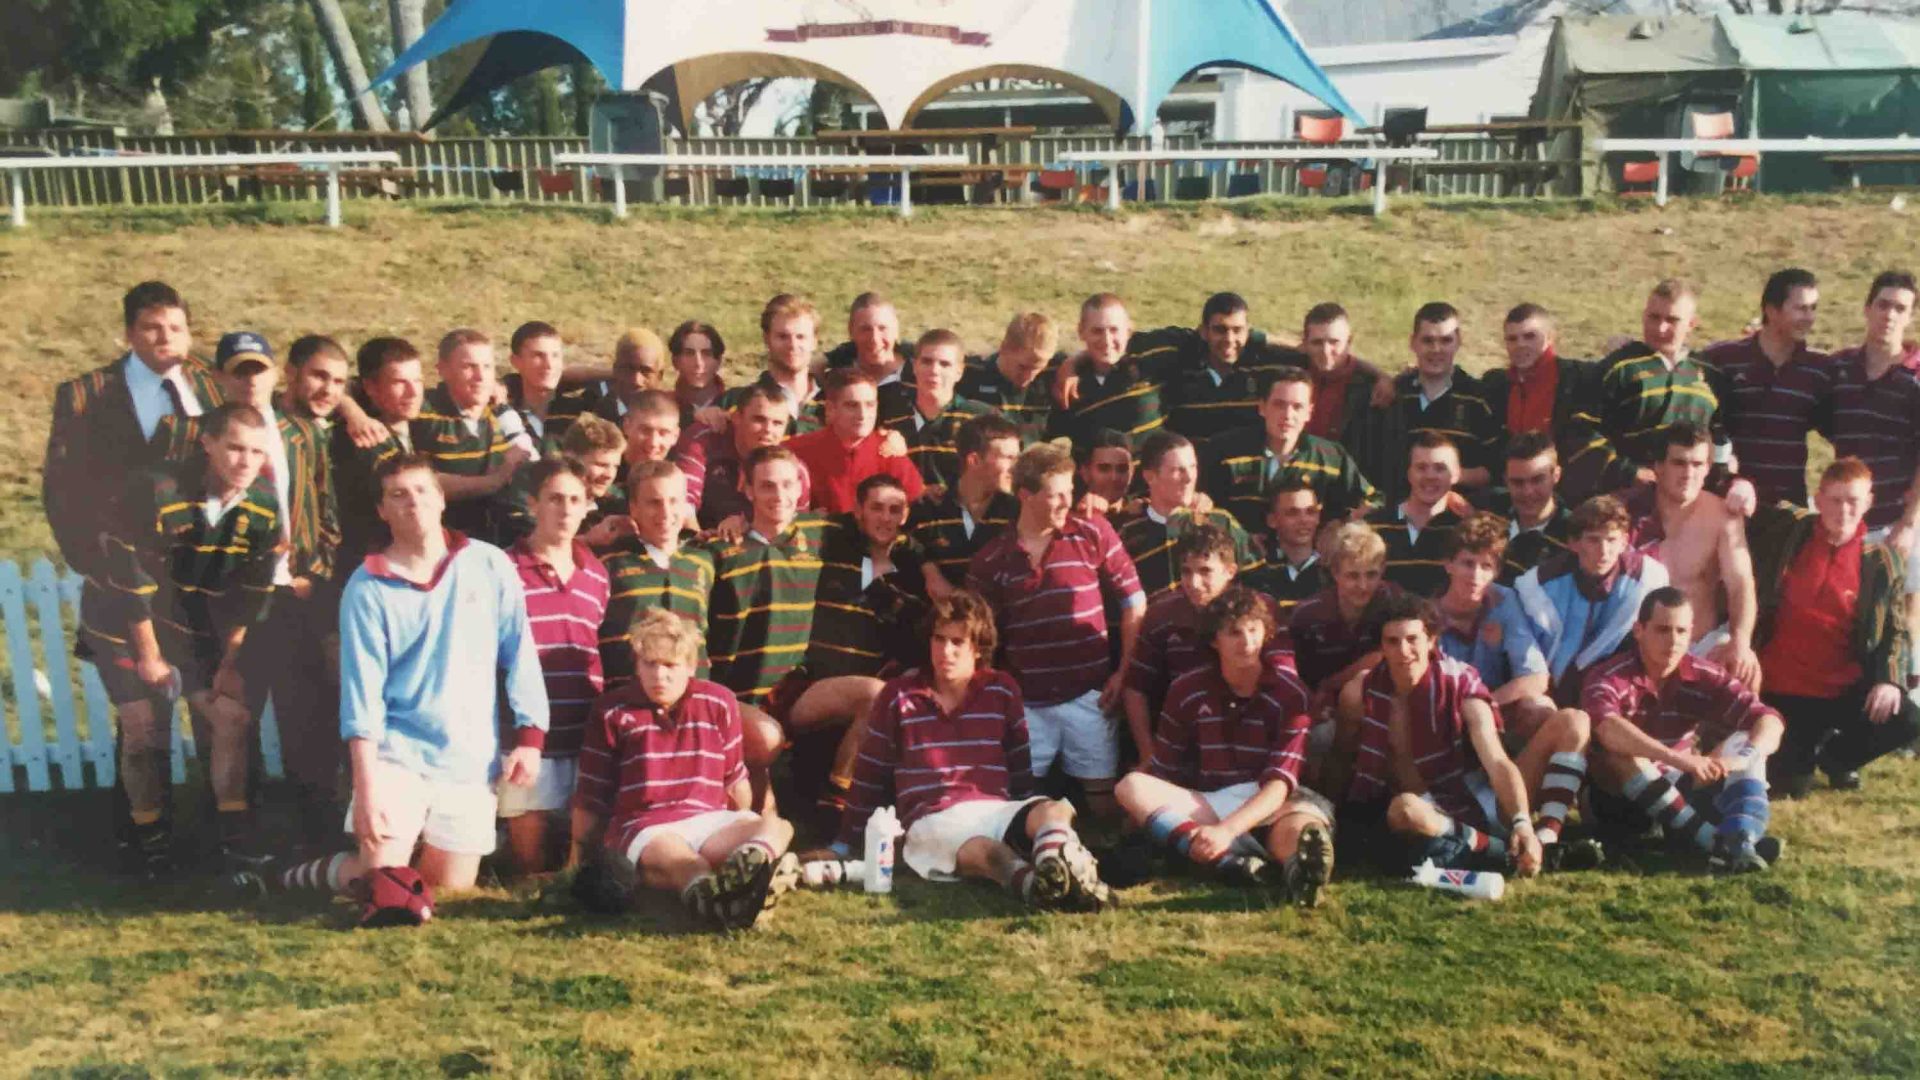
827	873
882	828
1473	884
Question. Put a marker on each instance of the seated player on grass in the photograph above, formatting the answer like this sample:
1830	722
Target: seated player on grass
1833	640
566	589
432	629
1481	625
1672	732
1336	642
866	615
1430	745
663	800
1223	785
950	741
1170	642
188	570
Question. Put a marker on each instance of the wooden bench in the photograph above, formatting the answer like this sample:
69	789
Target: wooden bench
388	182
1846	167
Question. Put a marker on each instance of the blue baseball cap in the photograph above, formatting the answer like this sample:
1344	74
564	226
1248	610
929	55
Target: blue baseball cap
242	346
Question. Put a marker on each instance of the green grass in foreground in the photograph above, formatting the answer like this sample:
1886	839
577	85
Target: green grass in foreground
1648	968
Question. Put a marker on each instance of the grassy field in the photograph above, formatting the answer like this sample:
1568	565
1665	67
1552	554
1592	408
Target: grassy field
1647	968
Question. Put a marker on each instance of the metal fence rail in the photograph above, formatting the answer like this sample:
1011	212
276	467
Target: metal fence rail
58	725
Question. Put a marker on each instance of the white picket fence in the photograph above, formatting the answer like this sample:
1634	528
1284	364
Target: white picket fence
37	610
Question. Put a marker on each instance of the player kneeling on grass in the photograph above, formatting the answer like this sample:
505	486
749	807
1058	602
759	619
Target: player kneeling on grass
662	798
433	632
951	742
1655	709
1431	737
1223	786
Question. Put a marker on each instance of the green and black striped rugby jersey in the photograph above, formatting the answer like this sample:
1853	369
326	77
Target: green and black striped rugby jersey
1287	584
637	584
861	627
949	536
1126	399
1202	401
811	414
1240	475
1640	397
459	446
1150	539
760	618
932	446
196	577
1414	560
1030	407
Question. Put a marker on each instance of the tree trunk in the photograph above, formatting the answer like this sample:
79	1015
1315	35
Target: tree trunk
347	69
316	94
409	22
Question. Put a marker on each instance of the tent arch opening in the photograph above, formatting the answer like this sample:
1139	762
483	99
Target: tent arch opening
1104	99
700	77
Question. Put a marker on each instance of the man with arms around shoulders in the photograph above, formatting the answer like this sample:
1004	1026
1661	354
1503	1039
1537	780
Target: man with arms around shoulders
1416	530
1014	379
1538	391
1243	467
1172	473
847	451
1582	602
1776	388
976	507
1046	579
933	424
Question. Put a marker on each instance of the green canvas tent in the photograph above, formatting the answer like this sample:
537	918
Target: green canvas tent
1839	75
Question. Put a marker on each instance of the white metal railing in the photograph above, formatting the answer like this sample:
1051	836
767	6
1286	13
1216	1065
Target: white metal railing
330	161
1379	155
1743	147
59	720
905	165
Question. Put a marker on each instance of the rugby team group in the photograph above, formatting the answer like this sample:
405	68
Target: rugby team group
1193	591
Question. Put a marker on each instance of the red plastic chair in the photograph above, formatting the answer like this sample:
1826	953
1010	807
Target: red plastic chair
1313	178
1056	183
1640	172
1743	173
1320	129
555	183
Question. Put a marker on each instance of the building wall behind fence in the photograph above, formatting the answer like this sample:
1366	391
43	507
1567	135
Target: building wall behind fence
58	731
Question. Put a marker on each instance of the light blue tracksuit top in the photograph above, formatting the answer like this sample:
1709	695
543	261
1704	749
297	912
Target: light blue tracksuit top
421	665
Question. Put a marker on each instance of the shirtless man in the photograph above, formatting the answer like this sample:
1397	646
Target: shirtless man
1703	545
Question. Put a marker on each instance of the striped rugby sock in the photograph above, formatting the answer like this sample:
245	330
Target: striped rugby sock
1051	840
1173	830
1479	843
1742	802
317	875
1020	882
1655	796
1559	789
756	842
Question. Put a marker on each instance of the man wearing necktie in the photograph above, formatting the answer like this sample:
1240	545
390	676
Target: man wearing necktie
139	411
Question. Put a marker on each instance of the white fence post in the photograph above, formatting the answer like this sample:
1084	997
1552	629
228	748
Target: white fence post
18	186
26	697
100	749
43	589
